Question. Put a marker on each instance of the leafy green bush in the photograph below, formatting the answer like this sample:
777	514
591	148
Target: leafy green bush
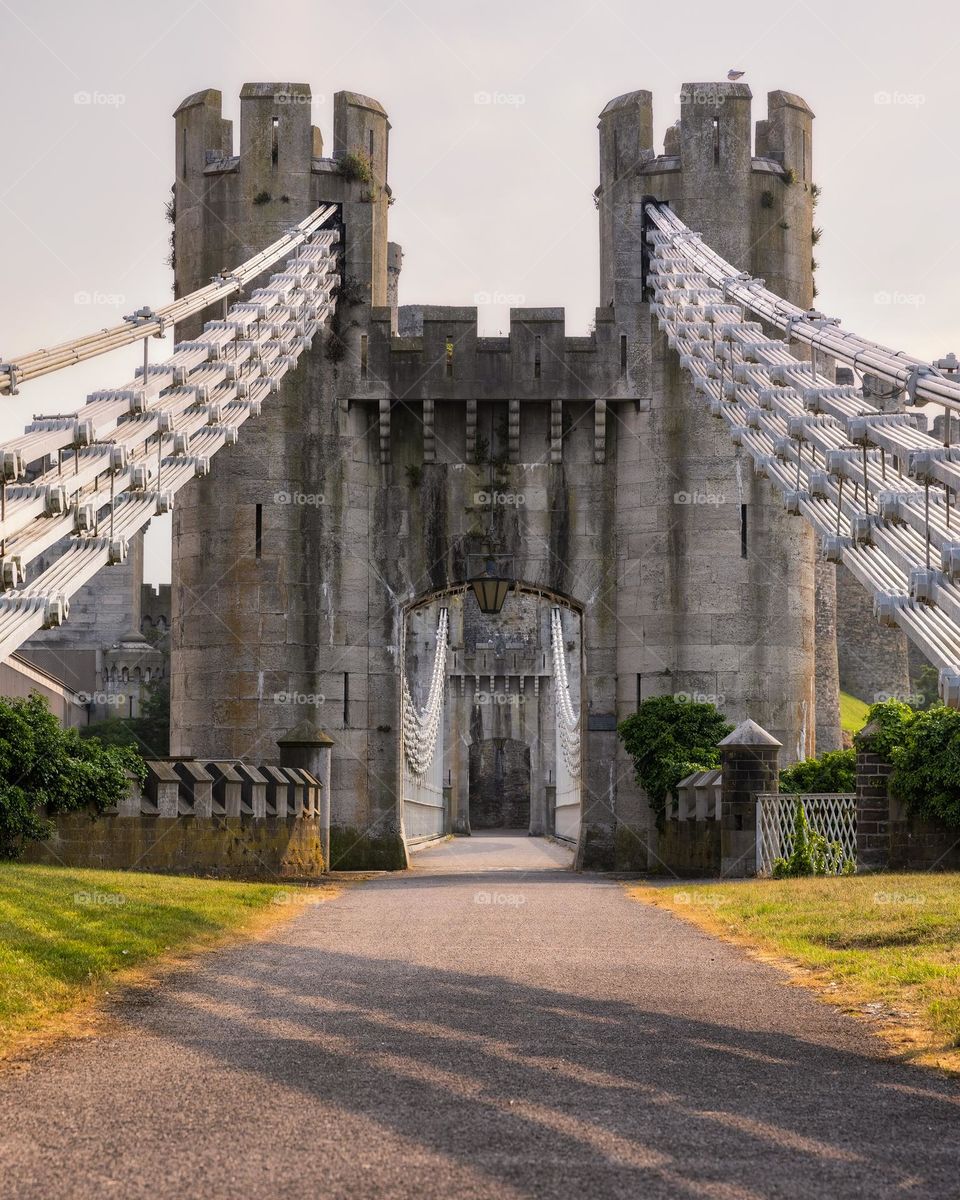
45	769
924	750
926	766
812	854
835	771
889	723
669	739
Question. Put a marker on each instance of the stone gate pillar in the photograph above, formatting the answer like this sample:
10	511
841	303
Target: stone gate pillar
873	803
750	762
311	748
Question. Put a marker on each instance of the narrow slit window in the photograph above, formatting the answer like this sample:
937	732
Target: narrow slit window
448	355
639	689
346	699
716	141
743	531
370	144
183	154
363	356
623	354
536	357
275	148
803	154
616	157
258	531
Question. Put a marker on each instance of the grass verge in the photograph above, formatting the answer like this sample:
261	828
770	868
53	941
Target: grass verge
885	947
69	935
853	713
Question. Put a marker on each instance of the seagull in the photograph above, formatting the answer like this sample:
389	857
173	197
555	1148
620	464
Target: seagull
733	76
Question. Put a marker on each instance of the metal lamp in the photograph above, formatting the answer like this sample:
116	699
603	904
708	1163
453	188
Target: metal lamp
490	589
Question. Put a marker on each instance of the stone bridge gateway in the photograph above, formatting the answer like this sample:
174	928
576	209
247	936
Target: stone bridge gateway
409	449
397	454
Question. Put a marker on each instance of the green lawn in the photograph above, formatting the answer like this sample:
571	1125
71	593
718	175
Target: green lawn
888	941
853	713
65	933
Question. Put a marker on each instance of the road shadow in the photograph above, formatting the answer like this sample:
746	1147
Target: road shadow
538	1092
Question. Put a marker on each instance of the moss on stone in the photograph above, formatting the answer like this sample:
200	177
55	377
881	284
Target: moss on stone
351	850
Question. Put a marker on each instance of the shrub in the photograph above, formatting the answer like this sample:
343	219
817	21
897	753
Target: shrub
355	166
766	199
812	854
669	739
835	771
45	769
889	722
924	750
262	198
926	774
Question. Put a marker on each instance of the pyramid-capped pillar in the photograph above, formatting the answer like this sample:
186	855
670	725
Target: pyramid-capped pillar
750	762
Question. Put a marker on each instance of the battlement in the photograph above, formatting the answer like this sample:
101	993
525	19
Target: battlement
440	356
747	190
229	202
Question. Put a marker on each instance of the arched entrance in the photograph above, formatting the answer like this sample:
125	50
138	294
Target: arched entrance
491	714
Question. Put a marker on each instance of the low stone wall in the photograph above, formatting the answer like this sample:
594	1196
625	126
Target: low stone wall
689	848
265	849
920	845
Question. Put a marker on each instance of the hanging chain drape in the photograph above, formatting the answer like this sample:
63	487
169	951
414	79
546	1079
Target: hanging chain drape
568	720
420	726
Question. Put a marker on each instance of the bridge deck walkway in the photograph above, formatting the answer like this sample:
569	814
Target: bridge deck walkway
493	850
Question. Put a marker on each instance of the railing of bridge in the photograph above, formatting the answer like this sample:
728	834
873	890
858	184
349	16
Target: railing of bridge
121	459
878	490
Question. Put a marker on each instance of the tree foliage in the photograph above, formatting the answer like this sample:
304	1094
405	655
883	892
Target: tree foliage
669	739
924	750
835	771
46	769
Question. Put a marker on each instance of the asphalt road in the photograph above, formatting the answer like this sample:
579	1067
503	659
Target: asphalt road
487	1025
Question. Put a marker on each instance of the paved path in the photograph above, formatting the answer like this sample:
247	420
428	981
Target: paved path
493	851
520	1033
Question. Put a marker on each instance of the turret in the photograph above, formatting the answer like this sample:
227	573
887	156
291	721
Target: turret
626	143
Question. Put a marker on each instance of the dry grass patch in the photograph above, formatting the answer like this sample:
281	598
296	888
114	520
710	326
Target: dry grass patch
885	947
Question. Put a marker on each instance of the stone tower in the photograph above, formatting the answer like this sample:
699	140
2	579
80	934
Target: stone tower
723	577
365	488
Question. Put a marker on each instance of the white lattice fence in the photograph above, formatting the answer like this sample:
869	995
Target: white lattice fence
834	816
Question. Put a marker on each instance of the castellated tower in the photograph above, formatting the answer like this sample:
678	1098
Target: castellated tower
368	488
721	578
270	565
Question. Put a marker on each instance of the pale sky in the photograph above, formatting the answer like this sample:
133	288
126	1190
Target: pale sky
493	197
